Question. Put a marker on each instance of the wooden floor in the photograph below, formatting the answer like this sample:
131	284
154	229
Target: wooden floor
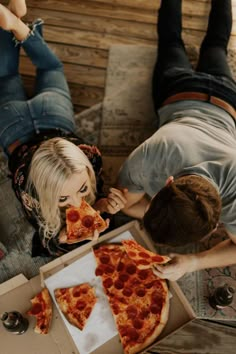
81	32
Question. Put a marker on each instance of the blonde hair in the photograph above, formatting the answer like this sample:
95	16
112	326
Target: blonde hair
52	164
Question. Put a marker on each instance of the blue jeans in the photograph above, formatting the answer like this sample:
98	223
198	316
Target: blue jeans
173	72
21	119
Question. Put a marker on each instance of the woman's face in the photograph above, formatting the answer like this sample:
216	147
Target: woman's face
75	188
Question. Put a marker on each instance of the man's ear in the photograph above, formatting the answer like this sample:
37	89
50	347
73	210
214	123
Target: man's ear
169	181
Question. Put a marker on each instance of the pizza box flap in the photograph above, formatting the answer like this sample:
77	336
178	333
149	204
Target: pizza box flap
180	309
15	295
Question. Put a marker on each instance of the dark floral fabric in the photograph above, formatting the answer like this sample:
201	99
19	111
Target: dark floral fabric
19	163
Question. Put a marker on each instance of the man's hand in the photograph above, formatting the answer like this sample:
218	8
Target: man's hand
114	202
176	267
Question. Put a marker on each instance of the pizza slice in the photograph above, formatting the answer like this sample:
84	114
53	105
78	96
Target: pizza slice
141	256
139	300
42	309
82	222
76	303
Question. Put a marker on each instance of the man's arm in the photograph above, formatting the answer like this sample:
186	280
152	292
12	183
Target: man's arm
136	204
221	255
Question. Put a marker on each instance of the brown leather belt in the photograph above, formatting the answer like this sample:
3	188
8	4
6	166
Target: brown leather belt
198	96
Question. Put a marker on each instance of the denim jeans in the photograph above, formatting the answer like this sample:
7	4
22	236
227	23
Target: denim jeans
50	108
173	72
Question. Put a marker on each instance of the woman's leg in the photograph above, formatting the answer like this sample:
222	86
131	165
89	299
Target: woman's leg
171	50
50	75
11	87
213	52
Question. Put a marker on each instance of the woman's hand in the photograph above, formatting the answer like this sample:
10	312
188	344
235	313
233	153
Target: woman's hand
114	202
176	267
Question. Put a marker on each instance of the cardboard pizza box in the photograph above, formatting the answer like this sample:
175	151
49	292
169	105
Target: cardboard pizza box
59	271
15	295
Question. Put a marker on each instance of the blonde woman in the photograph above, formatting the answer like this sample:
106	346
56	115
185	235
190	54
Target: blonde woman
51	167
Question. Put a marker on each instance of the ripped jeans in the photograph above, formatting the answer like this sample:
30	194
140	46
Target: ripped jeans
21	118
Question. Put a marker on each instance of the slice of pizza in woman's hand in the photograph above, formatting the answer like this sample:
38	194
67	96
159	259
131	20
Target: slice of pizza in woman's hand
83	223
76	303
143	258
41	308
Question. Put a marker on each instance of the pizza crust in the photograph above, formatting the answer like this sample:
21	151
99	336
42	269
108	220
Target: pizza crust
129	288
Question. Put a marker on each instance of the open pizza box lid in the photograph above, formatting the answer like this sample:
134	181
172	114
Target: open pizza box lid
72	269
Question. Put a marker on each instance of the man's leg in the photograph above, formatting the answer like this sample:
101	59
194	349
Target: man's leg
11	86
213	52
171	50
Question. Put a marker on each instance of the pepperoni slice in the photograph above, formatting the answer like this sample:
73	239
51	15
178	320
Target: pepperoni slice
143	262
120	267
104	259
155	308
109	269
132	254
118	284
143	255
88	221
76	292
140	292
80	305
62	291
116	309
138	324
132	334
131	311
108	283
73	215
157	259
156	297
127	292
99	270
131	268
123	277
37	308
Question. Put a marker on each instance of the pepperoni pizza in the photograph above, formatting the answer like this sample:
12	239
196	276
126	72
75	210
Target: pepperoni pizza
138	299
143	258
76	303
41	308
82	222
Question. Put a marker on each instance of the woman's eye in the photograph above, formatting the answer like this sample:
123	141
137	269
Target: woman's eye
62	199
84	189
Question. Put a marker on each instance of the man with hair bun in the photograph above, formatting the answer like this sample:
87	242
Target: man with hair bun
182	180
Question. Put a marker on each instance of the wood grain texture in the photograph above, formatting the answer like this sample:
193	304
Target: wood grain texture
80	32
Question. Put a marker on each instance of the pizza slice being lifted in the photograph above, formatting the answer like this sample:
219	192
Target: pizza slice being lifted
82	222
143	258
76	303
42	309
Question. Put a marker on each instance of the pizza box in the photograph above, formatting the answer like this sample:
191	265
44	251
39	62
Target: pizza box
100	331
15	295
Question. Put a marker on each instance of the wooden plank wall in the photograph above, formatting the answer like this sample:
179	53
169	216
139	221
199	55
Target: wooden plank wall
81	32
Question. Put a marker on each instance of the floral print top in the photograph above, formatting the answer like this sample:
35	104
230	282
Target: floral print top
19	163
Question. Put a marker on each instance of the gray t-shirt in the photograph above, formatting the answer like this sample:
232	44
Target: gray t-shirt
194	138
